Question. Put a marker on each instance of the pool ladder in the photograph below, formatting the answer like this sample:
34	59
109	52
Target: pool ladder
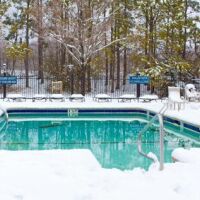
6	120
151	156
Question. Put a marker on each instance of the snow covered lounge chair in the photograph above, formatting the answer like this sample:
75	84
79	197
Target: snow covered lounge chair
126	97
102	97
149	97
78	97
190	93
57	97
174	98
39	97
16	97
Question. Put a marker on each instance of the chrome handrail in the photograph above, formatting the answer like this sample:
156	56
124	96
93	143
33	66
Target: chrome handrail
159	115
6	121
4	112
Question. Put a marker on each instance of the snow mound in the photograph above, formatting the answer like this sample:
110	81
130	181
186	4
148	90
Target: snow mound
76	175
187	155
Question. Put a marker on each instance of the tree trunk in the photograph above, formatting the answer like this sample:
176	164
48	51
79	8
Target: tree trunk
118	65
117	35
83	69
26	60
146	34
112	63
40	41
185	29
107	68
151	32
89	77
106	58
125	66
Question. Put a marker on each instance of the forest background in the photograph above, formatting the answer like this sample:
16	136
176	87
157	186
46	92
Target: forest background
77	41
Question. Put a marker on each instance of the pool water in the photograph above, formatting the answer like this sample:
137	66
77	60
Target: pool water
111	139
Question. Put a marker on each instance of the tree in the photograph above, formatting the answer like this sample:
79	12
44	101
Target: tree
84	38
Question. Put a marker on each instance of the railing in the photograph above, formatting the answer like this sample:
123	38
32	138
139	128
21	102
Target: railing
97	85
6	120
151	156
94	86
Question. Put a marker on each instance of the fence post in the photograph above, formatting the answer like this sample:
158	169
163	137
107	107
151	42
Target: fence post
138	85
4	85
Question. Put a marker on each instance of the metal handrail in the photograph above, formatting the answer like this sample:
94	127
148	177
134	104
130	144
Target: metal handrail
4	112
6	121
159	115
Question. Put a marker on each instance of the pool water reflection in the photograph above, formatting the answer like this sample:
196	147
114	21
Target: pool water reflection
112	142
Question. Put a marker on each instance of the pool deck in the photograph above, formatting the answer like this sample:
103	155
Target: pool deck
191	113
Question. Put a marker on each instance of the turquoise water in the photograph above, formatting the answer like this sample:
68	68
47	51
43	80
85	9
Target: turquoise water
111	139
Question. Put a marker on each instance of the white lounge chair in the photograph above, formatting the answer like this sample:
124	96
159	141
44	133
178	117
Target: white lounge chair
78	97
57	97
174	98
126	97
191	93
102	97
39	97
16	97
149	97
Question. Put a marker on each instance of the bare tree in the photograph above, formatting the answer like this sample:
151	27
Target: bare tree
85	36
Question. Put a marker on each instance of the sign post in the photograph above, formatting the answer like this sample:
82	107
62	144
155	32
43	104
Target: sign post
4	86
7	80
138	90
138	80
138	85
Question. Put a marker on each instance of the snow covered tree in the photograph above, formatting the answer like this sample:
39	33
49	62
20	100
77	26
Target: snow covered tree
83	33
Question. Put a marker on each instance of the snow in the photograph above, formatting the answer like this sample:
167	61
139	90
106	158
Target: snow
75	174
128	96
187	155
77	96
149	97
15	96
40	96
102	96
57	96
190	113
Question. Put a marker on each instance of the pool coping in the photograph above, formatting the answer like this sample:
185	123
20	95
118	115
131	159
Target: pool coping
74	111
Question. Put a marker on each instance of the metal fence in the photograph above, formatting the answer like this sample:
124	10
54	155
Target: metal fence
97	86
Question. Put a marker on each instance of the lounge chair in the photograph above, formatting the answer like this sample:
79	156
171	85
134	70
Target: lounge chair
102	97
78	97
39	97
57	97
174	98
149	97
16	97
126	97
191	93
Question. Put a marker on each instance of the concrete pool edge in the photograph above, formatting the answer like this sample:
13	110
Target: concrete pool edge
138	108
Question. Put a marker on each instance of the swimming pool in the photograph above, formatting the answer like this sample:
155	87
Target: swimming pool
112	138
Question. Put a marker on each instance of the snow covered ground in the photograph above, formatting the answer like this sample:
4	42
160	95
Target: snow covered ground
76	174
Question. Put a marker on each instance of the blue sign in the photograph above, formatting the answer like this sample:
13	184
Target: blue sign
139	79
7	80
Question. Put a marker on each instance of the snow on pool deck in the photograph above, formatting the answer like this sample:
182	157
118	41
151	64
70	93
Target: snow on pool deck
76	175
190	114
